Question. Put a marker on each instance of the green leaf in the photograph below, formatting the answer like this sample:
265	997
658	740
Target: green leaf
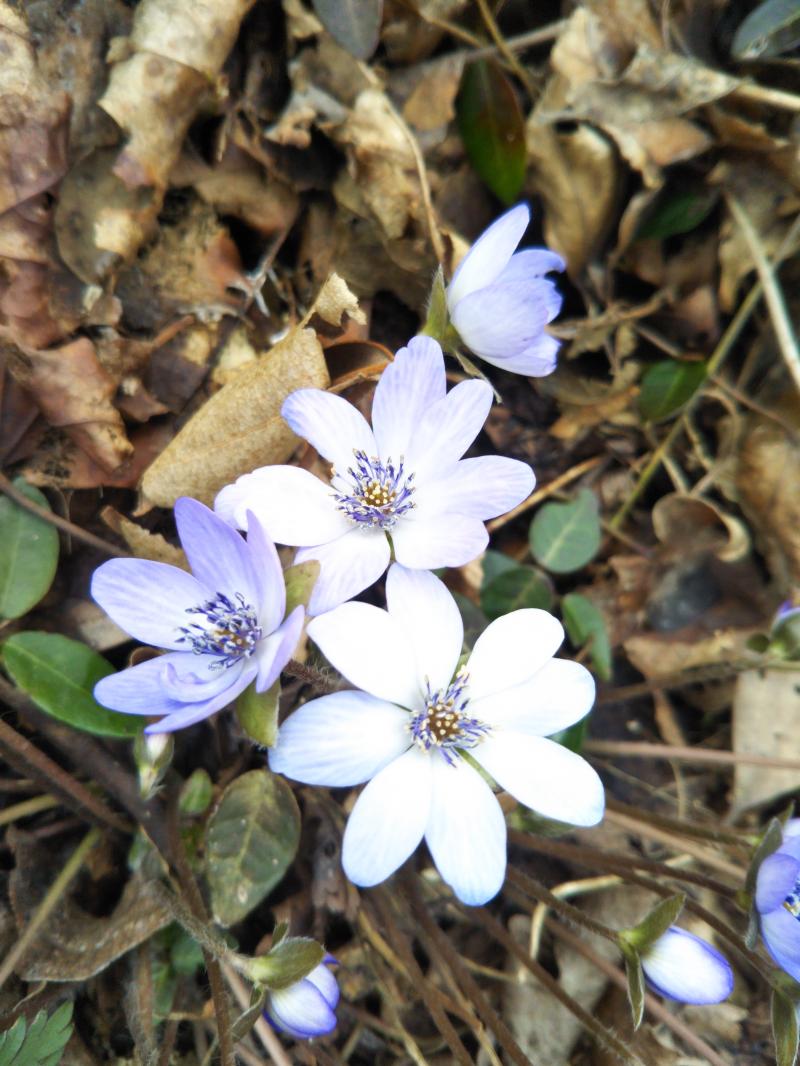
288	962
28	553
258	713
40	1044
678	211
667	386
636	987
492	127
565	536
769	843
197	792
354	24
59	675
517	587
574	736
251	839
585	624
784	1029
300	580
493	564
653	926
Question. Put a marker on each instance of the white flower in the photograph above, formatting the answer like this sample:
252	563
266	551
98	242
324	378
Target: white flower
684	967
500	302
307	1008
407	730
403	479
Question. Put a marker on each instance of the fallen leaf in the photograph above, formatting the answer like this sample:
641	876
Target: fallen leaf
142	542
764	719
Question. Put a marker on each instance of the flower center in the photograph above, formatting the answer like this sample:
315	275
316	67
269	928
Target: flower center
375	494
444	723
227	630
792	901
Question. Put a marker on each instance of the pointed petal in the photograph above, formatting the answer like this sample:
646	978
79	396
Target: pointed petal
292	505
511	650
688	969
406	388
466	832
186	714
148	600
429	616
489	255
481	488
348	565
340	740
556	697
271	603
276	651
196	678
519	313
532	263
388	819
331	424
166	684
217	554
428	541
781	933
536	361
325	982
549	779
447	429
776	879
301	1010
370	649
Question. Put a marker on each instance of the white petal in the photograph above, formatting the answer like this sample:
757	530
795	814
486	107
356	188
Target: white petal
331	424
447	429
292	505
406	388
427	541
466	832
429	616
532	263
301	1010
511	650
688	969
481	488
556	697
348	565
517	321
341	739
489	255
551	780
323	980
388	819
536	361
369	648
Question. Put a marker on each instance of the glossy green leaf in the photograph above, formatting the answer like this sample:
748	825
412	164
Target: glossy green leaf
585	624
784	1029
354	24
289	961
251	839
196	793
493	564
515	588
59	675
636	986
492	127
41	1043
653	926
28	554
667	386
678	211
566	536
300	580
258	713
770	29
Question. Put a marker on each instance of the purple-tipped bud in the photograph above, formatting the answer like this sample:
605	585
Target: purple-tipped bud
685	968
306	1008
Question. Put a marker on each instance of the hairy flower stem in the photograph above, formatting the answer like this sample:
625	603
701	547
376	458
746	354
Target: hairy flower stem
317	679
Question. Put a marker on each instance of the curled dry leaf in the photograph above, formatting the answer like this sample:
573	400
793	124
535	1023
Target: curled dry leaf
688	525
143	543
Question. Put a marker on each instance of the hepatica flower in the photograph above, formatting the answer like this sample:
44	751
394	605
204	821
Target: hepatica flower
403	479
306	1008
686	968
777	900
222	625
417	727
499	300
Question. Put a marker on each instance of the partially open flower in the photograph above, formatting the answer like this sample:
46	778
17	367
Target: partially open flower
686	968
306	1008
777	900
500	301
417	725
222	625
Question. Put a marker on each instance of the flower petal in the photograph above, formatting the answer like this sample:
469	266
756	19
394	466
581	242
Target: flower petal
781	933
466	832
536	361
532	263
447	429
292	505
489	255
427	541
186	714
551	780
406	388
335	427
517	319
269	576
348	565
688	969
369	647
148	600
322	979
429	616
195	678
217	554
275	652
556	697
511	650
776	879
388	819
301	1010
481	488
340	740
166	684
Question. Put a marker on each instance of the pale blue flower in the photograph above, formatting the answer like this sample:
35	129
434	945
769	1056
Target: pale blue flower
499	300
777	900
400	484
413	718
686	968
306	1008
222	625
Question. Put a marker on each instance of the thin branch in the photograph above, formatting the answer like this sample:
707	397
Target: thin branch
702	756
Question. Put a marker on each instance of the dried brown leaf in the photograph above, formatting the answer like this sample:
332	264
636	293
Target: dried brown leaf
756	732
688	524
143	543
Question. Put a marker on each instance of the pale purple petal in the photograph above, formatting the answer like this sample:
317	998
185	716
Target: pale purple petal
152	687
388	819
428	541
556	697
217	554
405	390
186	714
489	255
301	1010
273	653
324	981
447	429
776	878
503	319
546	777
481	488
148	600
532	263
292	505
340	740
512	650
335	427
429	616
190	678
536	361
269	576
348	565
466	832
790	844
688	969
781	933
369	647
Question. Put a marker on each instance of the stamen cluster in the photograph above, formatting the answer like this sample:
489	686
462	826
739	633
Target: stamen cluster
380	493
444	723
231	630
